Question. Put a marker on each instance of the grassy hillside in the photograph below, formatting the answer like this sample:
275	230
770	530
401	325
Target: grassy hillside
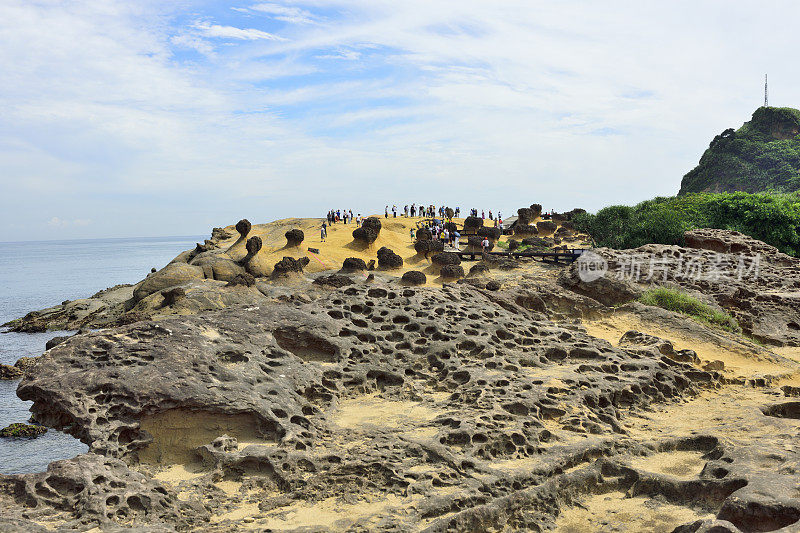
762	155
772	218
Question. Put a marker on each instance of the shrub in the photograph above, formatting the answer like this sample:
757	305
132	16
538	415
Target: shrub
772	218
680	302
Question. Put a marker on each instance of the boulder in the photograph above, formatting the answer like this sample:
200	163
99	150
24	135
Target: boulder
525	229
452	271
372	223
513	244
474	243
414	277
478	269
471	224
546	226
492	233
353	264
446	258
289	266
536	210
294	237
428	247
388	260
365	235
526	215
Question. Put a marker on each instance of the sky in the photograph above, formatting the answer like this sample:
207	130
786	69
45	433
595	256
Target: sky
151	118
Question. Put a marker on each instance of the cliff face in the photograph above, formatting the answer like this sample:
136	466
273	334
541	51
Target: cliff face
762	155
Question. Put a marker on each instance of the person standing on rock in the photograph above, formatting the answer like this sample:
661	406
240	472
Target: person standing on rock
456	235
323	232
386	212
485	244
412	234
394	211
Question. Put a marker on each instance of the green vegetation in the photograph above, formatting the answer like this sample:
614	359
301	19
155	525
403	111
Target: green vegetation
680	302
762	155
19	430
772	218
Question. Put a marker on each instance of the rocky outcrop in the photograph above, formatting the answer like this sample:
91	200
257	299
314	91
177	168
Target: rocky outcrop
102	491
486	380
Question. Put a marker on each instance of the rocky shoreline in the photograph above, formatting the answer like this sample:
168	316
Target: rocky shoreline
520	397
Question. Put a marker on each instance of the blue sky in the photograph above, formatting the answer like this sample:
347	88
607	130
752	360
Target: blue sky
149	118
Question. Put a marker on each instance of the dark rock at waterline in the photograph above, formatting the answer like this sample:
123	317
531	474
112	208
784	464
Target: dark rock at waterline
23	431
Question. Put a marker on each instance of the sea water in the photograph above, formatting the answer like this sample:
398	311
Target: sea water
35	275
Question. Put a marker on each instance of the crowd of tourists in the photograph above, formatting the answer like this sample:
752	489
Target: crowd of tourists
435	225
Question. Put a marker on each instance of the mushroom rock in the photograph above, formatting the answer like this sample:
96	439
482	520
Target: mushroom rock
294	237
491	233
414	277
428	247
472	223
365	235
446	258
387	259
354	264
452	271
449	213
253	246
478	269
243	227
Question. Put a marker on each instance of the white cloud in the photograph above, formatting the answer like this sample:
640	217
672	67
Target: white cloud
106	109
293	15
231	32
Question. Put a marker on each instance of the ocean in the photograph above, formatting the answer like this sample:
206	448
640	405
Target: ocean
35	275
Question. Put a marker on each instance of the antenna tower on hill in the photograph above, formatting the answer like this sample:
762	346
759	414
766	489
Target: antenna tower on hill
766	92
